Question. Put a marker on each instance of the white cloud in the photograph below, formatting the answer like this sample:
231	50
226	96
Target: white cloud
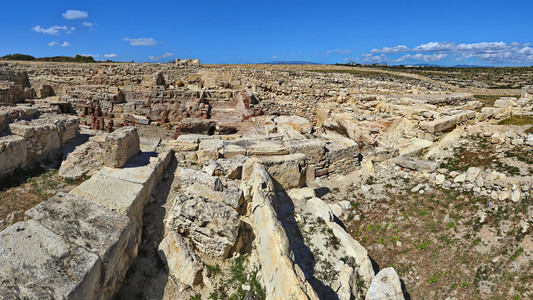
274	57
156	58
488	52
435	47
51	30
87	24
374	59
66	44
424	57
388	50
141	41
52	44
111	55
75	14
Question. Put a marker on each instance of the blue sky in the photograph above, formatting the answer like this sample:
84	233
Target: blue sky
395	32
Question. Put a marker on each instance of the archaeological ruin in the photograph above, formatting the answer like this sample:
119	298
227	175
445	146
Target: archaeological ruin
190	181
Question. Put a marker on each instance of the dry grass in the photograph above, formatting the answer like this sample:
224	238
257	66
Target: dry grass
434	241
22	191
517	120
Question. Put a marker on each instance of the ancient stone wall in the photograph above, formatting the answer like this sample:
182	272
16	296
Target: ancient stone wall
80	245
35	140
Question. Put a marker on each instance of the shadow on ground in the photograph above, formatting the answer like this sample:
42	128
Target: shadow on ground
148	276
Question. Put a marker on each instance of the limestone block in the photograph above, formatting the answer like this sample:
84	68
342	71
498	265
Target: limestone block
181	260
36	263
121	145
423	166
211	225
314	150
438	125
121	196
385	285
181	145
288	170
12	152
91	227
86	159
380	154
415	147
504	102
209	149
262	148
231	150
282	280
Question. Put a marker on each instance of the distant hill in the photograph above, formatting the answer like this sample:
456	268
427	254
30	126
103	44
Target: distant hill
293	62
24	57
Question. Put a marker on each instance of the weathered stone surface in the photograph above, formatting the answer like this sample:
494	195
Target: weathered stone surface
42	265
320	209
424	166
266	148
121	145
91	227
415	147
188	177
380	154
288	170
86	159
124	197
385	285
181	145
300	124
231	196
472	173
12	153
314	150
283	278
439	125
181	260
229	168
211	225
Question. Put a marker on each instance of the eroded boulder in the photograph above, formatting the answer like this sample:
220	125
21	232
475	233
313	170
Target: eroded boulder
181	260
211	225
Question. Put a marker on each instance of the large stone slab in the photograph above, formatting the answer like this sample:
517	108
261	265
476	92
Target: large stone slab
36	263
266	148
121	196
87	225
282	277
